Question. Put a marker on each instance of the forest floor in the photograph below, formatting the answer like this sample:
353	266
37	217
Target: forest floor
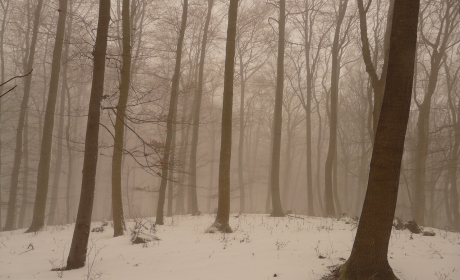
261	247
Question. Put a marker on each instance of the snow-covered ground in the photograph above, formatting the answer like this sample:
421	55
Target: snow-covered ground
260	248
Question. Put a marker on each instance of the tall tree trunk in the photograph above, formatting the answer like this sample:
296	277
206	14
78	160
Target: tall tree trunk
287	170
241	136
277	210
117	203
2	80
332	149
196	112
223	207
449	22
211	166
25	176
38	220
9	224
69	188
179	207
78	249
368	257
318	160
171	118
57	171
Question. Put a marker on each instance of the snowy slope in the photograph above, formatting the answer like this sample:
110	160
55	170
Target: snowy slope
260	248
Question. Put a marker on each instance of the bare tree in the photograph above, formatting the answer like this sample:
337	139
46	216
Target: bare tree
223	206
171	118
196	112
277	210
78	249
369	258
9	224
117	204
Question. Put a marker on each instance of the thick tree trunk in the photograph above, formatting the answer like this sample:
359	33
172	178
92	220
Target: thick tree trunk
38	220
332	149
78	249
368	258
196	112
223	207
117	168
171	119
9	224
277	210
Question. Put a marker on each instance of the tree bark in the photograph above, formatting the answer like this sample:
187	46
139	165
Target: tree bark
277	210
9	224
78	249
117	203
38	220
368	258
223	207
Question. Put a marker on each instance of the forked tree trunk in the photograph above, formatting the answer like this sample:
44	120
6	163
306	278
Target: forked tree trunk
277	210
78	248
117	203
223	206
38	220
368	259
9	224
171	119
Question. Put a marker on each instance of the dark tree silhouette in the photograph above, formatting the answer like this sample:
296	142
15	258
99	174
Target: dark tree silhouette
368	259
117	204
77	254
223	206
277	210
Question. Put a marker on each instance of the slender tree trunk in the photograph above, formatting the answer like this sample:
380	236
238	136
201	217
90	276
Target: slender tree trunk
78	248
57	171
9	224
368	258
211	169
241	136
117	203
171	175
277	210
38	219
318	159
171	118
2	80
287	170
196	112
69	188
223	207
332	149
25	176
